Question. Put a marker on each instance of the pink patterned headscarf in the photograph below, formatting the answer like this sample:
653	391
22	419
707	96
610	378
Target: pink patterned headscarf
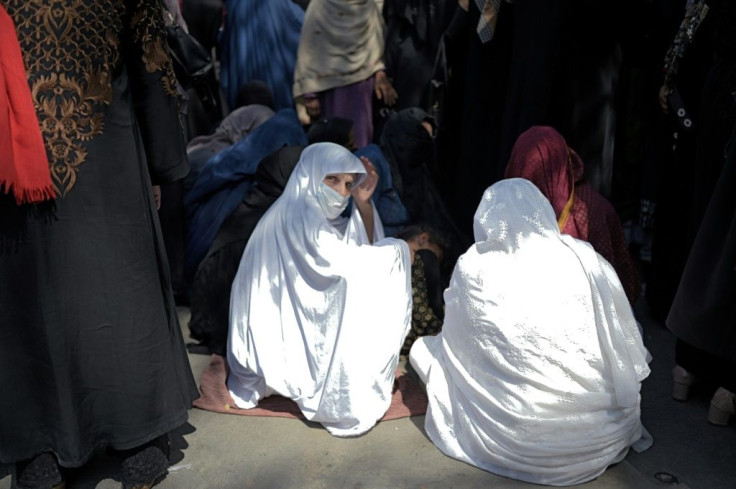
542	156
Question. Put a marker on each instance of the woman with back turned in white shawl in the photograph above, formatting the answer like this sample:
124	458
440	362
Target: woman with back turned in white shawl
536	373
321	303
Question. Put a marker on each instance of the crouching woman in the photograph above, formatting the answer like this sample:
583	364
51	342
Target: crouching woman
321	303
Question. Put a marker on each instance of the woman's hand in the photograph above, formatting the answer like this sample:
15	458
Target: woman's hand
362	193
384	90
313	108
362	196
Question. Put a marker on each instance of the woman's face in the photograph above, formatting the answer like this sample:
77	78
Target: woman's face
341	183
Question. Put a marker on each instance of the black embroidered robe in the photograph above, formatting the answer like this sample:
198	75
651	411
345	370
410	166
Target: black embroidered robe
91	354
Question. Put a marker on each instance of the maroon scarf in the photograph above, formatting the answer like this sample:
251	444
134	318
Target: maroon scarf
542	156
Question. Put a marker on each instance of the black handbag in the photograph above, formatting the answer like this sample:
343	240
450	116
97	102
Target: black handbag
193	65
192	62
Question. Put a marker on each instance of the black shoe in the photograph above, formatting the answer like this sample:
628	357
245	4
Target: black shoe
41	472
144	466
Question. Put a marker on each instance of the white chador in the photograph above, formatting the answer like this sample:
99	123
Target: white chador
317	313
536	373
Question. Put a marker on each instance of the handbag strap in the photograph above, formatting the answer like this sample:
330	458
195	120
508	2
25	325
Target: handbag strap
440	60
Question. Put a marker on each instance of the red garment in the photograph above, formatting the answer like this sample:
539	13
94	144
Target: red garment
542	156
24	165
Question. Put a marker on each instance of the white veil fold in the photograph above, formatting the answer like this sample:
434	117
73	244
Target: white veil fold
512	212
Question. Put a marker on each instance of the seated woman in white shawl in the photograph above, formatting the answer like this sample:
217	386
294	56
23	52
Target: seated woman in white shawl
536	373
321	304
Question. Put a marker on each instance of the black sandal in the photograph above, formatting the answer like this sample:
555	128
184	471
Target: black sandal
146	465
40	472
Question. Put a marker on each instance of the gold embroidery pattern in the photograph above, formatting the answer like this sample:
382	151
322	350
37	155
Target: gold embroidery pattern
147	25
423	320
70	49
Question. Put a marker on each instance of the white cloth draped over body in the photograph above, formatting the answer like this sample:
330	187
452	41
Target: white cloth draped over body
341	43
317	313
536	373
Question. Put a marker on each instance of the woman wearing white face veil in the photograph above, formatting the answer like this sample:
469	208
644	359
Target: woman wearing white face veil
536	373
317	313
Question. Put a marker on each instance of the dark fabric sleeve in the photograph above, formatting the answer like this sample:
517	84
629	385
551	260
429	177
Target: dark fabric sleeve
154	92
459	23
623	262
724	11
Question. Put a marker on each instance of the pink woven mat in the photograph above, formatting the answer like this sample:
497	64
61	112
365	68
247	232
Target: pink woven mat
408	399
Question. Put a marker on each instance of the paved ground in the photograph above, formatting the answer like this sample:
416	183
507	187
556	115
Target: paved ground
220	451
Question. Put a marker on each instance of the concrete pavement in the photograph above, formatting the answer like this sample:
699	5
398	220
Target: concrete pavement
220	451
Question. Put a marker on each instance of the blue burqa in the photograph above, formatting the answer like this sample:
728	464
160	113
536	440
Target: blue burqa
260	43
227	178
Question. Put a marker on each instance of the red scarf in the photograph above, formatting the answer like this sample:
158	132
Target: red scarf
24	166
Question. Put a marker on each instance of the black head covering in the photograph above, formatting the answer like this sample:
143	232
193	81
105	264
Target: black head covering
330	130
254	92
409	149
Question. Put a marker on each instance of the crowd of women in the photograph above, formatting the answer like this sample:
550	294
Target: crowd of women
373	189
342	255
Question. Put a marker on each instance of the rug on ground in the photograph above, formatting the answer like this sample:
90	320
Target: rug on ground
409	397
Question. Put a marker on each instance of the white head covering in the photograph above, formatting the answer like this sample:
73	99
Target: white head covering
317	314
536	373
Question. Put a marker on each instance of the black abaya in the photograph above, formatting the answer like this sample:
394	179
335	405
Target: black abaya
91	353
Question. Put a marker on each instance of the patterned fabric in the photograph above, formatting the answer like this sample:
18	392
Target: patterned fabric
696	12
424	322
488	18
72	91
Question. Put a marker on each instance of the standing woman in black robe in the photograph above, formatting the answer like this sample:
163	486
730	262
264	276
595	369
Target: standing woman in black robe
685	68
91	347
471	111
413	32
702	315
